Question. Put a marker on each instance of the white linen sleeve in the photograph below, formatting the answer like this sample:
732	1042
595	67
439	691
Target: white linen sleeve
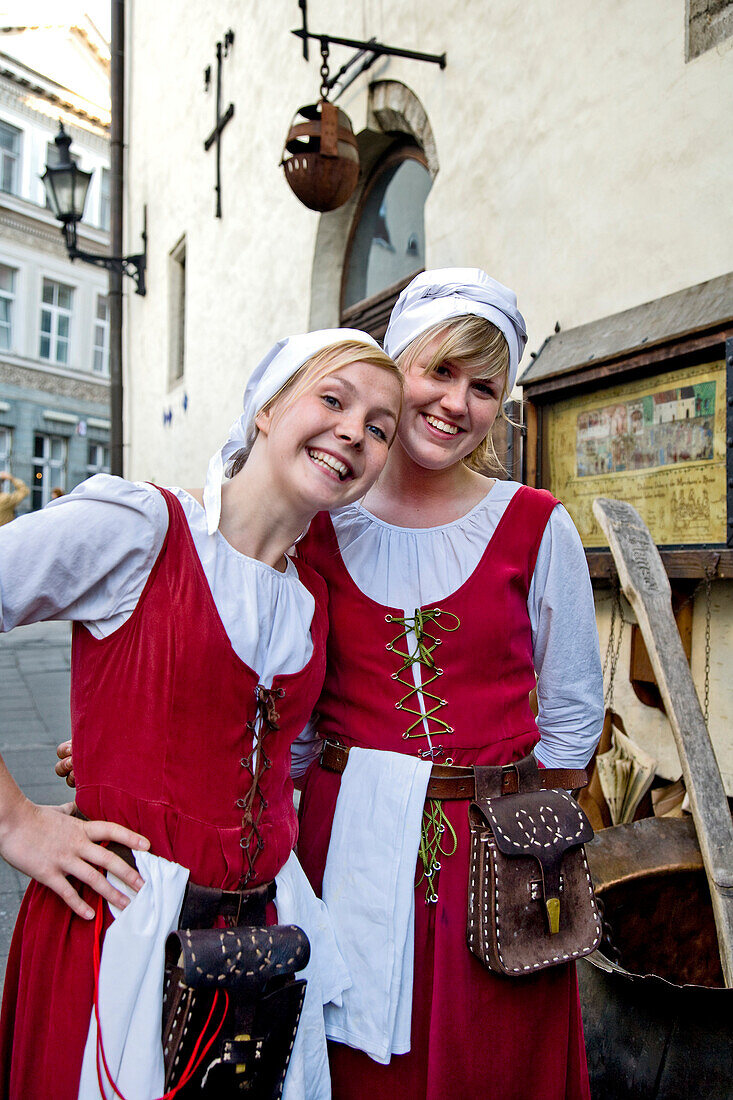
305	749
566	651
85	556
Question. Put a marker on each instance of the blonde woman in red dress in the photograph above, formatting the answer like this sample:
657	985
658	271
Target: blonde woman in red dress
451	596
198	654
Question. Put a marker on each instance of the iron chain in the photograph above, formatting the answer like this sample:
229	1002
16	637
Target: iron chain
325	89
613	649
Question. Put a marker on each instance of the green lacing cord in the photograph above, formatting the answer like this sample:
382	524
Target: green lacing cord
434	827
426	644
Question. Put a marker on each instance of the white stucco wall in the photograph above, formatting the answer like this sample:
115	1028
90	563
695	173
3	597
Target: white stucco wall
582	161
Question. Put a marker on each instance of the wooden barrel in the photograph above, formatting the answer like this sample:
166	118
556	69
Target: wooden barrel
658	1020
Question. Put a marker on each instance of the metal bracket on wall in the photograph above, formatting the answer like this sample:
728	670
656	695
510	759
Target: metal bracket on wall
372	48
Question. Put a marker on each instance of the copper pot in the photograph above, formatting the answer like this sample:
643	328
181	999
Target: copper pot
321	157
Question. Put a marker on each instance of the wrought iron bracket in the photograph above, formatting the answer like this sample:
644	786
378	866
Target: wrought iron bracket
133	266
377	49
374	47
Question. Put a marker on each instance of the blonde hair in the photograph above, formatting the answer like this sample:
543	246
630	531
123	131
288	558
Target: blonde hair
476	345
325	362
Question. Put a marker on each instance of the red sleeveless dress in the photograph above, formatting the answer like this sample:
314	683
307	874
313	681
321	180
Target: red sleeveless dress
162	715
474	1034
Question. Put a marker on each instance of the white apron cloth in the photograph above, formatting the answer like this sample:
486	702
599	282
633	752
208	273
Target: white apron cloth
131	984
369	889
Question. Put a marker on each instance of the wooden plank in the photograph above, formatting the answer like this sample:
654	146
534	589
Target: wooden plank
677	563
668	320
647	589
613	371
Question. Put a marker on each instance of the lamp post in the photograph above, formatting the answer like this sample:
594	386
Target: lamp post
66	187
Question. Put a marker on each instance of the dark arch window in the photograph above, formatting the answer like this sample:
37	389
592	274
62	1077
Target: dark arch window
387	243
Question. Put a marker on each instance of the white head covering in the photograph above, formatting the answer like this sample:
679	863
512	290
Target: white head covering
437	296
268	377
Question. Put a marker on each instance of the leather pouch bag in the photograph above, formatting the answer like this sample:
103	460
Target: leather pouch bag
530	894
255	966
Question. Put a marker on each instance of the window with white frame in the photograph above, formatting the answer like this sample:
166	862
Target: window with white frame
104	200
49	467
97	459
100	362
57	301
7	305
9	158
6	448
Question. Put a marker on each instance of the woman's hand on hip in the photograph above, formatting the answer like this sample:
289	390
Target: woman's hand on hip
51	846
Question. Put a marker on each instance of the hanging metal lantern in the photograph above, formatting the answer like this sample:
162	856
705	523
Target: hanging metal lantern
321	156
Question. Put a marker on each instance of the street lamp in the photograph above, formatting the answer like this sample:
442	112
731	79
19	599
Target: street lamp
66	187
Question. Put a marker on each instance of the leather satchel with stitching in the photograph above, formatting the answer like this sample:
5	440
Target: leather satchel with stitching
530	895
255	964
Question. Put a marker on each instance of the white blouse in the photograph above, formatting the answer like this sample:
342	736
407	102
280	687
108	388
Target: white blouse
411	567
86	557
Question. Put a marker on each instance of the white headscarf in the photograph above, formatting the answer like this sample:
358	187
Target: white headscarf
268	377
437	296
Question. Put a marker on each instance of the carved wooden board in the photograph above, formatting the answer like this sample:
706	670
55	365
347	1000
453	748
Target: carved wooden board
646	587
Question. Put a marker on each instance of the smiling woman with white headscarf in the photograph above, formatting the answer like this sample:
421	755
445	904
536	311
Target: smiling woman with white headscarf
198	654
451	595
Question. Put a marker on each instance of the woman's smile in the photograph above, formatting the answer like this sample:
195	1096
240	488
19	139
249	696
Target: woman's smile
330	463
442	427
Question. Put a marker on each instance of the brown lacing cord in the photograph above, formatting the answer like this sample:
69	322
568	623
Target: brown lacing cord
425	646
256	763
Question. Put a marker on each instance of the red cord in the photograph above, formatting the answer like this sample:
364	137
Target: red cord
190	1069
193	1063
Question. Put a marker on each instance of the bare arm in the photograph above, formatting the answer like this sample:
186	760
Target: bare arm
21	489
64	563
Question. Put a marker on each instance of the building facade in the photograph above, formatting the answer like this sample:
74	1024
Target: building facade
579	153
54	326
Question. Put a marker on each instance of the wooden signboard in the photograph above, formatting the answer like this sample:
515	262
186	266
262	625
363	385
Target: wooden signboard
638	406
658	443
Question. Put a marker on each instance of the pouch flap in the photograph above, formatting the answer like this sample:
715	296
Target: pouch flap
543	824
240	958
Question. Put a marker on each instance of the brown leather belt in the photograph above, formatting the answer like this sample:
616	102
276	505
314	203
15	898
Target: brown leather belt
449	782
203	904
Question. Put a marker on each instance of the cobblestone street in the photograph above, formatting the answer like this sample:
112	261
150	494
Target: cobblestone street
34	717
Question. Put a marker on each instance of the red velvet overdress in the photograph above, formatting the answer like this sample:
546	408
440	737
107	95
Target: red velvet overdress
160	714
474	1034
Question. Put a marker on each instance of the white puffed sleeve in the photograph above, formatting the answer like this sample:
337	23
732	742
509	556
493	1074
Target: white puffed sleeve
85	556
566	653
